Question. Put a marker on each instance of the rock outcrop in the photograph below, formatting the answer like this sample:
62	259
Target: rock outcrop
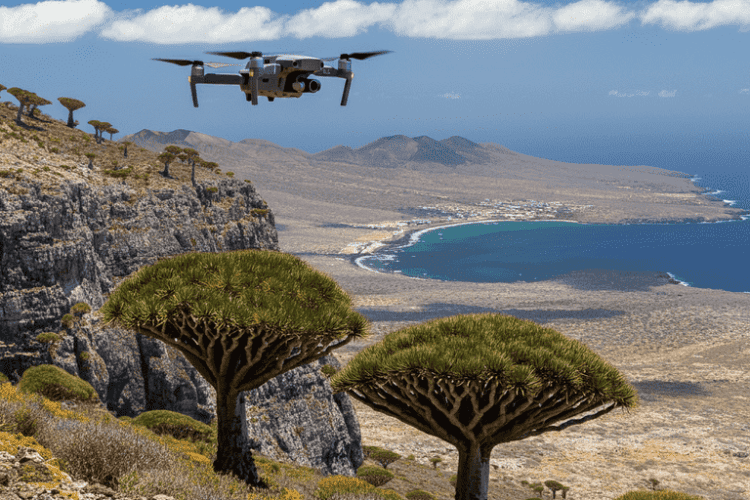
74	244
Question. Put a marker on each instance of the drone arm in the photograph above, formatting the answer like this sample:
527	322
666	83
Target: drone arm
220	79
347	86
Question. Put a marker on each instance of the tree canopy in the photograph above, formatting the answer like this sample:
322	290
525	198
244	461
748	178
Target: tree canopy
36	101
479	380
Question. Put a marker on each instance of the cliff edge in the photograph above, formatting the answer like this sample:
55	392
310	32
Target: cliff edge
72	229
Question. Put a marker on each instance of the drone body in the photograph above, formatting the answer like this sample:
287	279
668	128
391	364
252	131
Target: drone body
274	76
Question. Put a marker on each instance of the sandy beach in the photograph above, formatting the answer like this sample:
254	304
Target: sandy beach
686	350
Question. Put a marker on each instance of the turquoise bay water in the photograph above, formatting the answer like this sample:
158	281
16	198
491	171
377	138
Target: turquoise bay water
705	255
510	251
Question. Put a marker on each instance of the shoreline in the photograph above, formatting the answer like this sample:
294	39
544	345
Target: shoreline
408	237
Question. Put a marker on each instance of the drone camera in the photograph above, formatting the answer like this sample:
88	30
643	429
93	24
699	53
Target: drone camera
312	85
345	65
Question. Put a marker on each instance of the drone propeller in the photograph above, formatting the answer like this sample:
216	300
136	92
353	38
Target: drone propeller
358	55
185	62
237	55
180	62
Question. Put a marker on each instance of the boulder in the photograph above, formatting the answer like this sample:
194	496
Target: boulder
59	248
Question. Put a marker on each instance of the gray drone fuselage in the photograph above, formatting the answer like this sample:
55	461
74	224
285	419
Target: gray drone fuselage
277	76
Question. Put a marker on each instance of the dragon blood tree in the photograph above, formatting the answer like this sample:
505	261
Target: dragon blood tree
478	380
72	105
240	318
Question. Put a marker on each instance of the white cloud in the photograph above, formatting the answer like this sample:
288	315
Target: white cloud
339	19
51	22
744	91
591	15
62	21
693	16
495	19
193	24
451	95
471	19
667	93
638	93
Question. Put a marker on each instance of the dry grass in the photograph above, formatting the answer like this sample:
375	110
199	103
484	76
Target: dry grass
93	446
47	151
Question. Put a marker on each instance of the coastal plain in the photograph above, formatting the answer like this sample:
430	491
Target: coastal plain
686	350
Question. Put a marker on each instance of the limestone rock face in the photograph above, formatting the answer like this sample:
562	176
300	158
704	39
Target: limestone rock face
304	398
58	248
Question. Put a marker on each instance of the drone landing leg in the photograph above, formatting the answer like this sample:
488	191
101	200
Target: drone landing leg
254	89
195	95
347	86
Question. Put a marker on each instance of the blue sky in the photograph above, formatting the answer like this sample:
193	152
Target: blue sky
489	70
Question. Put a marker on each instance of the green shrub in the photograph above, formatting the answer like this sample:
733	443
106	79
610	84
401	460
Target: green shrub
435	461
119	173
230	174
453	479
56	384
374	475
328	371
67	321
259	211
80	309
419	495
350	486
176	425
212	189
47	337
382	456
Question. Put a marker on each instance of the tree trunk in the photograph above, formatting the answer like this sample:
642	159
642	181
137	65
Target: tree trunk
233	454
165	173
192	175
20	109
126	150
473	472
71	124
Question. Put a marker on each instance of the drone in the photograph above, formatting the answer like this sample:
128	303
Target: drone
274	76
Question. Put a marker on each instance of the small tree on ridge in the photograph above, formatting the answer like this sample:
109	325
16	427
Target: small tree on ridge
72	105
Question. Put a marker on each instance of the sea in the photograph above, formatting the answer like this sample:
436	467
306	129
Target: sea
704	255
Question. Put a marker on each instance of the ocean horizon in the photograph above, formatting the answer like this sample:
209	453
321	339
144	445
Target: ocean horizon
712	255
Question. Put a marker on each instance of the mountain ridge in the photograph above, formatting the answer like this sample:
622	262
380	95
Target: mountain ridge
391	151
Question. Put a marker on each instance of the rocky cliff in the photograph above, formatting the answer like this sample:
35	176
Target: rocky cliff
72	239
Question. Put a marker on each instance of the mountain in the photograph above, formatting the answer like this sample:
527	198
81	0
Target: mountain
419	153
256	152
399	151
